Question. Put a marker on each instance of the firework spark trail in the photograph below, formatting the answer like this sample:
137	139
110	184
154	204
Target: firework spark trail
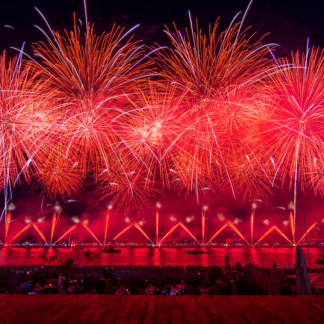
270	230
141	230
217	233
39	232
88	229
203	227
23	230
66	233
310	228
123	231
7	223
252	224
222	116
106	227
167	234
284	236
291	221
55	220
232	226
157	228
186	229
53	228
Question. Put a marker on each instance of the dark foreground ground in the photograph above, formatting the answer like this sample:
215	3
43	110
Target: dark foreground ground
160	309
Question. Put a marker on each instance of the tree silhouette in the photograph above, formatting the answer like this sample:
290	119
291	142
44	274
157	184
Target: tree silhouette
89	256
49	260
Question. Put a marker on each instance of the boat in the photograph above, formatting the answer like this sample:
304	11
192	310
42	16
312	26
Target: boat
197	252
320	261
111	250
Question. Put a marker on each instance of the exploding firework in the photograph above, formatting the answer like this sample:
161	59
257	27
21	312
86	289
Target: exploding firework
285	223
75	219
173	219
27	219
189	219
221	116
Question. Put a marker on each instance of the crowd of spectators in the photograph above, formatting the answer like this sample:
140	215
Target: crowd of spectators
140	280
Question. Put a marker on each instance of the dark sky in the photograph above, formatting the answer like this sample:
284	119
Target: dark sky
289	24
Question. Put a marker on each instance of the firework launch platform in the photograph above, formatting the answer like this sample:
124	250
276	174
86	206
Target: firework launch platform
160	309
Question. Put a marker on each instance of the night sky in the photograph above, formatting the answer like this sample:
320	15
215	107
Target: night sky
289	24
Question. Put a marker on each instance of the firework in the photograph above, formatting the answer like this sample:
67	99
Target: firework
293	134
66	233
307	232
232	226
167	234
252	226
217	233
106	227
270	230
39	232
203	219
186	229
123	231
222	115
157	228
23	230
141	230
88	229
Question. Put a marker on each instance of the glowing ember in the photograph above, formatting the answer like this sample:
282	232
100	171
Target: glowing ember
11	207
291	206
189	219
75	219
237	221
266	222
41	219
27	219
221	217
173	219
57	208
285	223
141	223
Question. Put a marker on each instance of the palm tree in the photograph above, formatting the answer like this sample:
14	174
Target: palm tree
89	256
67	263
49	260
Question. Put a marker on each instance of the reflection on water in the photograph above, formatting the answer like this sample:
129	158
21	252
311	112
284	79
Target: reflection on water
162	256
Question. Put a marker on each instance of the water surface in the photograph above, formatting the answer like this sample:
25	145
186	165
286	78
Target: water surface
284	257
